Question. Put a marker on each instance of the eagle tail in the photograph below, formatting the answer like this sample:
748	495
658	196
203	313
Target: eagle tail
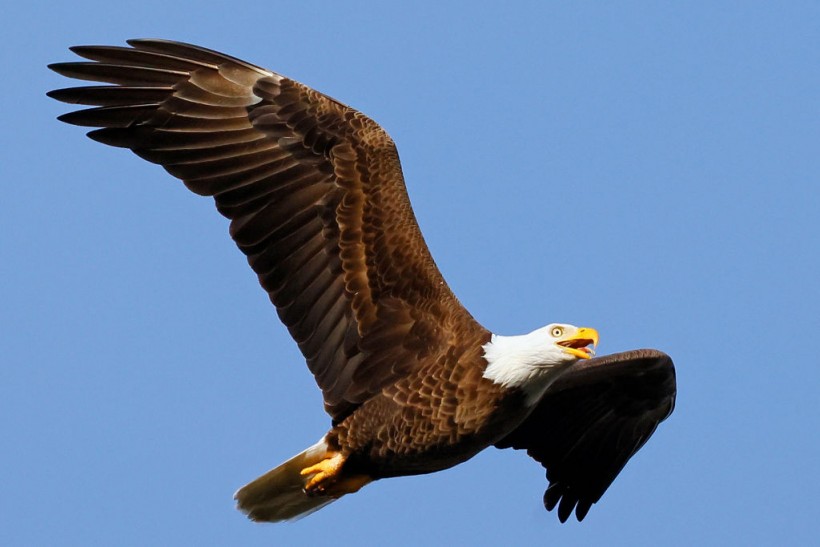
279	494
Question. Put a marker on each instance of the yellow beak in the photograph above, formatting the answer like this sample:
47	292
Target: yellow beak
576	344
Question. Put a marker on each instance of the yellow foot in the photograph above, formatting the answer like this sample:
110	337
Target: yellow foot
324	474
327	479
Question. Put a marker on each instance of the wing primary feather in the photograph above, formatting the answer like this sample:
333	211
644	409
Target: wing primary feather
127	56
117	74
110	95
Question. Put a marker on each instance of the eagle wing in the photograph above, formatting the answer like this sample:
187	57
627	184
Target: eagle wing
591	421
314	192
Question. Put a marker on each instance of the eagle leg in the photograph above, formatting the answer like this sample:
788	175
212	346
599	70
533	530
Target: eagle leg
327	478
324	473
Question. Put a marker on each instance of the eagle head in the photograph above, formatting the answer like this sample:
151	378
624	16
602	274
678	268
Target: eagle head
531	362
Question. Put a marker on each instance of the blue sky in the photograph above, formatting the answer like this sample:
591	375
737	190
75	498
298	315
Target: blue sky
648	169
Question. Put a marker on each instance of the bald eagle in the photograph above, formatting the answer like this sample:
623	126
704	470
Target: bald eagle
316	200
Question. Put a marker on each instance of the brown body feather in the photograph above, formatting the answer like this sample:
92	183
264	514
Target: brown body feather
434	418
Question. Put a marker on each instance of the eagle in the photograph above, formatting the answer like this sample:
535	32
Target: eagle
316	200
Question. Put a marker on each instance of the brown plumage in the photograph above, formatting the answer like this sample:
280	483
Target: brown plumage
316	199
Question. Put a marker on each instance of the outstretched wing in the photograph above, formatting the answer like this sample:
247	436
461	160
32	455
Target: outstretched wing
592	420
313	189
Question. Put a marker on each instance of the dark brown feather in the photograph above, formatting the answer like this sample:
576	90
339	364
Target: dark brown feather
591	421
314	192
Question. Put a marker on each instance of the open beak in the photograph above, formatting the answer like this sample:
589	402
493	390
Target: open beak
577	343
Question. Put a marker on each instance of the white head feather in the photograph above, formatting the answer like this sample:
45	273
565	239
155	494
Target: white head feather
530	362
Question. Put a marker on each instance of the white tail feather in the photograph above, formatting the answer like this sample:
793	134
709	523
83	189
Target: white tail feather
279	494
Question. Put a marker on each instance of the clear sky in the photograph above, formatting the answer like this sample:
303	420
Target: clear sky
650	169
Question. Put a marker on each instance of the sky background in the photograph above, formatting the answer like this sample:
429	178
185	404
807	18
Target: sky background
650	169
